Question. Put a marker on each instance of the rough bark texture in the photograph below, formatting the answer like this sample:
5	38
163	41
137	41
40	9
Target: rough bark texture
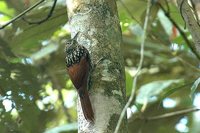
191	23
98	24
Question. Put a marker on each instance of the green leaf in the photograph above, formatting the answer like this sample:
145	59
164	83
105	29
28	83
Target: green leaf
26	39
44	51
129	83
64	128
5	11
194	87
154	91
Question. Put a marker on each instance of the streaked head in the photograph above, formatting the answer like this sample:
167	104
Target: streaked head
72	41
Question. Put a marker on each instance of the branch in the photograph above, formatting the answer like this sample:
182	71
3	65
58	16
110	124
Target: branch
181	5
21	14
171	114
192	25
44	19
138	69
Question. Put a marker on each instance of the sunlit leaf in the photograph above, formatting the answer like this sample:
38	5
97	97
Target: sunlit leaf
129	83
64	128
4	10
44	52
154	91
33	35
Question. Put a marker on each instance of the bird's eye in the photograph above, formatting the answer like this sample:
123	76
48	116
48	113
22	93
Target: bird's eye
68	43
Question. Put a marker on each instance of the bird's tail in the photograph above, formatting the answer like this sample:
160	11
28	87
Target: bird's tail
86	106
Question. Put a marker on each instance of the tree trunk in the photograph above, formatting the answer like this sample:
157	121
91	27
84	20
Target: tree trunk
192	23
98	24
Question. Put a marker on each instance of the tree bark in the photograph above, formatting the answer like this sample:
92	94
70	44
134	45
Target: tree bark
192	24
99	31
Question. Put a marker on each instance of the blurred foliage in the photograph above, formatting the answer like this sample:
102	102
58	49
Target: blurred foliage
36	95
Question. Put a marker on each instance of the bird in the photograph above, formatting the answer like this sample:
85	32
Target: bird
78	68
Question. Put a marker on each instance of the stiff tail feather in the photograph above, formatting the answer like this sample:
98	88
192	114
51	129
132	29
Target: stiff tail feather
86	106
